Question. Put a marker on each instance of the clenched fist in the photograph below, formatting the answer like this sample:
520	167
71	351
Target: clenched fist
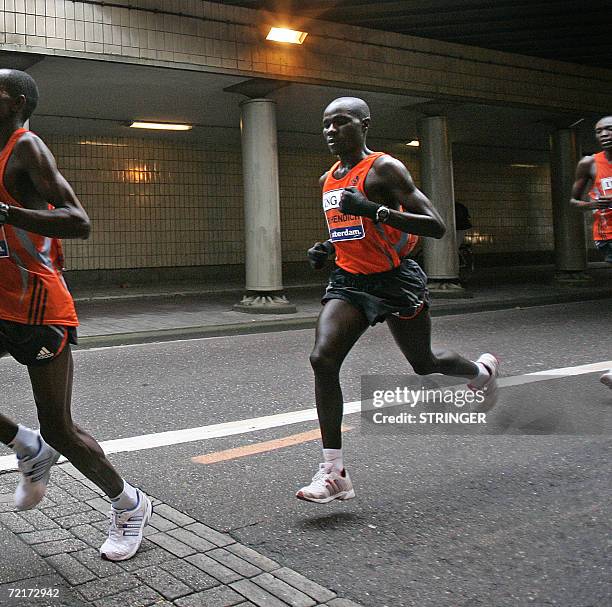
318	254
353	202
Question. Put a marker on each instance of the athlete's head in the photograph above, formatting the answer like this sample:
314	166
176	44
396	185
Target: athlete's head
345	124
21	91
603	132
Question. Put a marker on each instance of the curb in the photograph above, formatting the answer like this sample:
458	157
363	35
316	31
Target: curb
233	290
443	308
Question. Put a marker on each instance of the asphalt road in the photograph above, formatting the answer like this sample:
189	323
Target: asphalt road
439	521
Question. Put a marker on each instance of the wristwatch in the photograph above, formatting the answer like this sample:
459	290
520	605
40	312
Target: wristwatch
382	214
4	213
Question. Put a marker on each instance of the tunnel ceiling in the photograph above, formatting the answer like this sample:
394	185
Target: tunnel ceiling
570	31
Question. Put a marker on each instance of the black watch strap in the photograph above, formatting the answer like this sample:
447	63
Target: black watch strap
4	213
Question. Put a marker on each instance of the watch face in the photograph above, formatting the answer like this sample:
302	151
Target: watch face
382	214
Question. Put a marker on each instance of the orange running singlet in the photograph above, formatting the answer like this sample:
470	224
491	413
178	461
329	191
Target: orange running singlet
602	186
362	246
32	289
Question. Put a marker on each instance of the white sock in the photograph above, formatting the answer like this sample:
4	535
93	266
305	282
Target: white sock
483	376
127	499
334	457
26	442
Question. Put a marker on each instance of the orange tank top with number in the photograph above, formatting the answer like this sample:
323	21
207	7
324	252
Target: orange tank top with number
602	186
32	288
362	245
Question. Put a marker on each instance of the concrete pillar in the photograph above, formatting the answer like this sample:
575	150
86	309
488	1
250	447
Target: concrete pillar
568	223
441	257
264	283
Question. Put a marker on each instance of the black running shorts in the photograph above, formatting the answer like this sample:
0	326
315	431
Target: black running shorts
401	292
34	345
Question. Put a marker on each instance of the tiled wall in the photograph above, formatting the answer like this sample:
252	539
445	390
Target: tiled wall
153	203
510	207
302	221
157	204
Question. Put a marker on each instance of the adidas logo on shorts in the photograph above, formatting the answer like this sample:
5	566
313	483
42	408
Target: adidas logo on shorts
44	353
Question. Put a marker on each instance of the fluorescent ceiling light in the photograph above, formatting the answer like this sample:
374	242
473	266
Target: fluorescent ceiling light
103	143
524	166
282	34
161	126
415	143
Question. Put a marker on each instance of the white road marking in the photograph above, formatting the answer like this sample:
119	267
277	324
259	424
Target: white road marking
188	435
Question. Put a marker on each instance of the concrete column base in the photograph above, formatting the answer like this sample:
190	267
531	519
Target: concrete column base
447	289
572	277
265	303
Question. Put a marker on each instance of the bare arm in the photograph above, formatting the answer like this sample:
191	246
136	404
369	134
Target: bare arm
36	167
585	174
328	244
391	184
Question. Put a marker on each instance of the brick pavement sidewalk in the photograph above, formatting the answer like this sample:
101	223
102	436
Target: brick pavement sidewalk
181	562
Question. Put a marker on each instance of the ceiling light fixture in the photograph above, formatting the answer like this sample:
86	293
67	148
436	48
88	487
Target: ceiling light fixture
283	34
103	143
160	126
415	143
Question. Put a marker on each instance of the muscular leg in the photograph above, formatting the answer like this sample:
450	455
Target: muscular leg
52	387
414	340
8	428
339	326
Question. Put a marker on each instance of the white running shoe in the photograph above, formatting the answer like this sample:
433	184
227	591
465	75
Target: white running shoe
35	473
490	387
327	485
606	379
125	532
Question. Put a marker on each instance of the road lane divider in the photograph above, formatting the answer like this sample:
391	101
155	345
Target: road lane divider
263	447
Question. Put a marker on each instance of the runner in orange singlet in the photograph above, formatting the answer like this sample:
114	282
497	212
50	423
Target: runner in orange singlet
374	213
594	176
38	320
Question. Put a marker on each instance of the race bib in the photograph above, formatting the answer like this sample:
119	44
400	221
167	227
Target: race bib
606	187
341	226
4	250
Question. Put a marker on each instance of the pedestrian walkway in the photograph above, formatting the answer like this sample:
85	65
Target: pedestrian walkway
182	310
182	562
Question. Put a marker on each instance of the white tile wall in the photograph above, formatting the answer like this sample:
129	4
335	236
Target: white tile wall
153	203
